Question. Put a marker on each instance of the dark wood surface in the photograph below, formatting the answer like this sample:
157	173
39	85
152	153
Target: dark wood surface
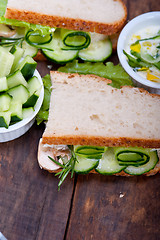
88	206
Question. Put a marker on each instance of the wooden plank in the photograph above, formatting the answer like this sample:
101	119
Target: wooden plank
30	205
103	207
115	208
137	7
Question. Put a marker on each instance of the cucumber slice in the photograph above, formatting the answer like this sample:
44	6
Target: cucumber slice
18	53
108	164
3	84
74	40
132	170
27	112
6	61
5	118
60	56
16	79
19	93
93	152
33	85
5	100
37	39
56	54
97	51
27	67
31	101
16	111
135	156
29	50
85	165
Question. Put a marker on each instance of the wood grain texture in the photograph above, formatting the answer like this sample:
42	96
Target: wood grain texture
30	205
92	207
137	7
115	208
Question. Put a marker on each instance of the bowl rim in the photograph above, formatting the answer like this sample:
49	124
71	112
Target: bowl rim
27	120
126	31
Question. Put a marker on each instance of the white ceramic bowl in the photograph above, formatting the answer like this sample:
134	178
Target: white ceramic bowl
18	129
136	24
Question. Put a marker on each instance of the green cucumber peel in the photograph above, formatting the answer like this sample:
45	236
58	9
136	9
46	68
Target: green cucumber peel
74	40
132	155
134	170
92	152
37	39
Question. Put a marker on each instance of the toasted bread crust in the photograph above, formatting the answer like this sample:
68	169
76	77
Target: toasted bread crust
65	22
120	174
101	141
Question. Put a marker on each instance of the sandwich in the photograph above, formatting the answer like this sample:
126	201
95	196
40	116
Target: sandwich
93	127
64	30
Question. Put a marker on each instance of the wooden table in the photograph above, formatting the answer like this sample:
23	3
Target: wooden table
88	206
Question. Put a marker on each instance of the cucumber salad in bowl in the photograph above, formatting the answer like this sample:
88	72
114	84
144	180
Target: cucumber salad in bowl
21	92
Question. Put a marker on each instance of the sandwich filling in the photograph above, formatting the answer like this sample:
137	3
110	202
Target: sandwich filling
104	160
57	44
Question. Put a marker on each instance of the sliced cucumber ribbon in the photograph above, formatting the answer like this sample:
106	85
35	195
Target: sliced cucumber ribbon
132	156
91	152
74	40
37	39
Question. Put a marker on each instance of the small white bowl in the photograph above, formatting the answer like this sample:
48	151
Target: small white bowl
136	24
18	129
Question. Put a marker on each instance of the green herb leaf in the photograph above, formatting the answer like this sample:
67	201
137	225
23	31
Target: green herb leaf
58	163
66	168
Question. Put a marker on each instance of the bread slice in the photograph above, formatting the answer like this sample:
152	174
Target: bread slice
106	17
85	110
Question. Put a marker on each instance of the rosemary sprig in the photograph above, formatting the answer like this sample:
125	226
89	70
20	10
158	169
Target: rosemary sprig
66	168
